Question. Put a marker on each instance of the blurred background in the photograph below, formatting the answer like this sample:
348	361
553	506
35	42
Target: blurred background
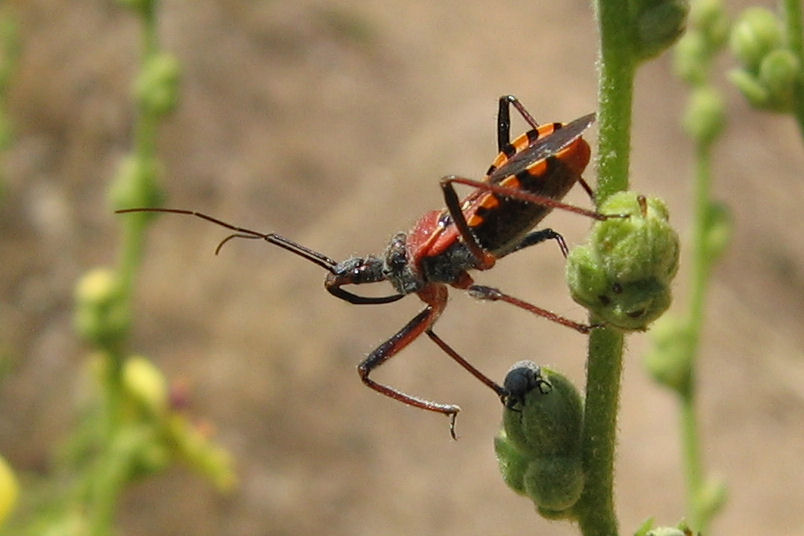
331	122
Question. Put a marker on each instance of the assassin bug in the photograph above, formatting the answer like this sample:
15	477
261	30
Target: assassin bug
527	179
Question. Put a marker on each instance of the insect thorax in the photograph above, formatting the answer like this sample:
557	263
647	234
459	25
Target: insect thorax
407	276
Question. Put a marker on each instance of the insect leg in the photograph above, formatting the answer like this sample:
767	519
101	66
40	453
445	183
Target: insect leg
419	324
537	237
505	191
485	259
481	292
504	119
501	392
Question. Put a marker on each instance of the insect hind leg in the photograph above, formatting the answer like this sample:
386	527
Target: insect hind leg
504	119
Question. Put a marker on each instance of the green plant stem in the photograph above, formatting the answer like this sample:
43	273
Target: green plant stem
795	41
595	509
691	452
111	474
701	268
145	137
615	94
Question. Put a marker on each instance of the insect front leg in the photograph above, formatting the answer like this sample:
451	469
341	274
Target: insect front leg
420	323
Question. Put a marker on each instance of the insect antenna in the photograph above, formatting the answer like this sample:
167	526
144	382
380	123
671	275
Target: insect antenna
241	232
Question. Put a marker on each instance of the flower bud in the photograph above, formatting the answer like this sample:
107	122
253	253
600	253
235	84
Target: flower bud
538	449
705	116
754	35
135	184
547	422
710	498
512	463
658	24
157	87
146	384
669	362
623	274
748	84
710	19
719	228
555	483
195	448
100	314
778	72
690	58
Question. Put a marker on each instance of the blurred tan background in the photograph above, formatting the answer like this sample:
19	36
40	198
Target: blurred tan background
331	122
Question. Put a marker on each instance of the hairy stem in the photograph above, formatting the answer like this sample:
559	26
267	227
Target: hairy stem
595	508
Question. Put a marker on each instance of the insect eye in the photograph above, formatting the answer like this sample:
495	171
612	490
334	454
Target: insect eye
604	300
617	288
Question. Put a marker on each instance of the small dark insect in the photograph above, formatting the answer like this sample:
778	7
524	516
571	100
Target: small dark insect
524	377
527	179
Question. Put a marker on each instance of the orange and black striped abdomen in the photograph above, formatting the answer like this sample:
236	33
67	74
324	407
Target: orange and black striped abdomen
547	162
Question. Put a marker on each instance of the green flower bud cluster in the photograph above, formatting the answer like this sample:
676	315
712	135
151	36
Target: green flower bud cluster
769	72
707	34
669	360
657	24
136	184
101	314
538	449
623	274
193	446
705	116
145	385
157	87
156	433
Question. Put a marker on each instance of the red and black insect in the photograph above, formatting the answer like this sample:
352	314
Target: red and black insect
529	177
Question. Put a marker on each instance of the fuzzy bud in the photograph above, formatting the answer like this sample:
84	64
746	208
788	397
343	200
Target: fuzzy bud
754	35
157	87
709	17
135	184
146	384
670	360
100	314
539	448
659	23
705	116
623	274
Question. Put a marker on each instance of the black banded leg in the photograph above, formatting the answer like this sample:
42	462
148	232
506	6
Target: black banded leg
481	292
504	119
420	323
504	130
537	237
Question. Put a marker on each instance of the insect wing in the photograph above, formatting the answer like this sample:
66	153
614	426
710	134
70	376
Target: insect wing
542	148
